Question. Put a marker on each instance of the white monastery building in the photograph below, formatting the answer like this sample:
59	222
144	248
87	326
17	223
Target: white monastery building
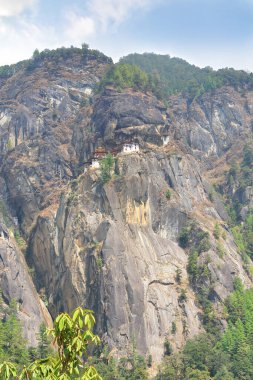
165	139
131	147
95	163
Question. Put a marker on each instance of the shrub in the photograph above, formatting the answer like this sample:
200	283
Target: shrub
220	250
168	194
183	296
217	231
173	328
194	238
167	347
178	276
106	166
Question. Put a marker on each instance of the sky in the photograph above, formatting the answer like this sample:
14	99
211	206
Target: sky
217	33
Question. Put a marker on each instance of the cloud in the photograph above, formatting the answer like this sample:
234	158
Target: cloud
14	7
108	12
19	38
100	16
79	27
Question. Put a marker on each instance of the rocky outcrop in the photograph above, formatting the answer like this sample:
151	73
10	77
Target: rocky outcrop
211	124
16	283
114	247
42	114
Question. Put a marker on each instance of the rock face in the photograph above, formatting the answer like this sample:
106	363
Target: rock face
16	283
114	247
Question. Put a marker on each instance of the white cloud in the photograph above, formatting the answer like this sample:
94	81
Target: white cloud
116	11
79	28
14	7
19	38
100	16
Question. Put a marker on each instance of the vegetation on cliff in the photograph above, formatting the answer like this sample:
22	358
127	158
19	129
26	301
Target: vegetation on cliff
225	356
125	75
54	55
173	75
236	192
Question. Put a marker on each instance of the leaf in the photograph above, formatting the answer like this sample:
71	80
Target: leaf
61	324
87	321
76	314
80	322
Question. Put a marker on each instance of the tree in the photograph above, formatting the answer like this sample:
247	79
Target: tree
36	54
73	336
106	167
247	155
196	374
44	343
12	343
85	46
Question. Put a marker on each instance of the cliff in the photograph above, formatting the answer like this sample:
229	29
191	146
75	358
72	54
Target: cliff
114	246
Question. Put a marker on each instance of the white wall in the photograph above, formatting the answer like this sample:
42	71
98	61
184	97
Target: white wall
95	164
165	139
133	147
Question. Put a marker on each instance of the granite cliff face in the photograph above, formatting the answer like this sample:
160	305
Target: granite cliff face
114	247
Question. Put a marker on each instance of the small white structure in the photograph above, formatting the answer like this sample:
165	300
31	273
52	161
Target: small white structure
165	139
95	164
88	91
15	220
130	147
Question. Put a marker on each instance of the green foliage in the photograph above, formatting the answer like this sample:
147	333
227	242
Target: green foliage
130	367
167	347
172	75
85	46
216	231
173	328
20	240
192	266
43	350
99	262
220	249
133	367
149	361
172	368
106	167
126	76
220	357
73	336
12	344
243	236
9	145
182	296
194	238
197	241
196	374
247	156
36	54
168	194
54	55
178	277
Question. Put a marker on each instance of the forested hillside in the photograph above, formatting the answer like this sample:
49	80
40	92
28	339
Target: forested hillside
172	75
